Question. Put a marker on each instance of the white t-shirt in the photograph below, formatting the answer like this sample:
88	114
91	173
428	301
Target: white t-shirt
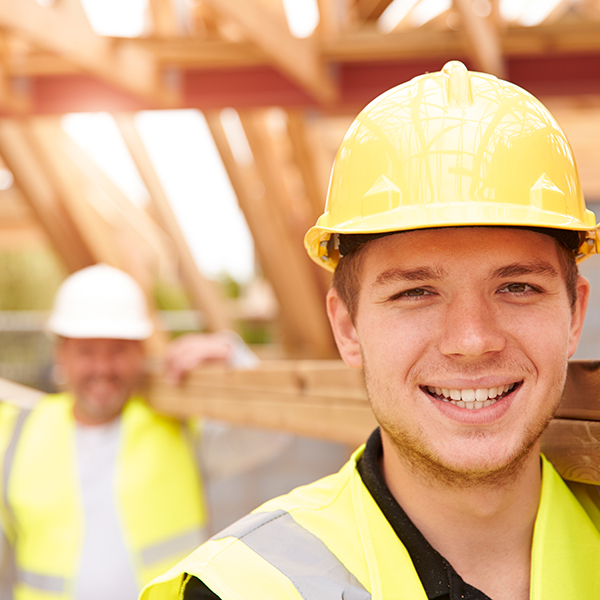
105	570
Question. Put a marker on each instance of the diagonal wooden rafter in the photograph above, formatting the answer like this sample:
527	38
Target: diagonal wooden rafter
483	38
297	59
301	303
19	152
371	9
104	240
304	155
203	293
164	19
12	99
63	29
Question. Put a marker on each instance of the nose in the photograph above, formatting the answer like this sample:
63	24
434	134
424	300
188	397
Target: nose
103	365
470	328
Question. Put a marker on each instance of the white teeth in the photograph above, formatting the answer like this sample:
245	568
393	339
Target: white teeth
481	395
468	395
471	398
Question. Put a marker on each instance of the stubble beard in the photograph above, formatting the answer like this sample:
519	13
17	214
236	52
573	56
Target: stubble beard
412	450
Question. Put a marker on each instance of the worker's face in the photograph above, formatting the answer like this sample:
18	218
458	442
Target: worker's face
102	374
465	313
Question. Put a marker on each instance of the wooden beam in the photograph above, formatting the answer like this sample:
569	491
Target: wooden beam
293	220
107	242
164	19
327	399
138	233
371	9
301	304
323	399
364	45
21	155
573	447
63	29
297	59
203	293
304	155
483	38
18	394
12	99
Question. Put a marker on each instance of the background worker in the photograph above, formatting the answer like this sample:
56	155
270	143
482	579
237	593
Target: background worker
100	493
455	207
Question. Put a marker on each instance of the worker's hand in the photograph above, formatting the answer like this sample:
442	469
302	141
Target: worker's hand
194	349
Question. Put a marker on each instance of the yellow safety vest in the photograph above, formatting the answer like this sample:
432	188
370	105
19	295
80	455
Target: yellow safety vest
329	540
159	497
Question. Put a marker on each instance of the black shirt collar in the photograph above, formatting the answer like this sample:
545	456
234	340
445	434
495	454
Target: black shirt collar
437	575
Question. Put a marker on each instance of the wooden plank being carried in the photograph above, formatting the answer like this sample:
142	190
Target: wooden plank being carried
326	399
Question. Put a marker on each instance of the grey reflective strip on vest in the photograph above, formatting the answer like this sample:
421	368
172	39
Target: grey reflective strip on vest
180	544
9	457
44	583
299	554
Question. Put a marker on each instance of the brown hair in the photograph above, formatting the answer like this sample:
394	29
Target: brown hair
346	278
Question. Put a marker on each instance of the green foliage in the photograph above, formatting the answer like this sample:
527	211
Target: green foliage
229	286
29	279
255	332
170	296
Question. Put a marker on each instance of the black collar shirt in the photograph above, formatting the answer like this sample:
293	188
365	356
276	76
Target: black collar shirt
440	580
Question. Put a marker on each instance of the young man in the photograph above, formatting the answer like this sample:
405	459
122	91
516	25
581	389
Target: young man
456	210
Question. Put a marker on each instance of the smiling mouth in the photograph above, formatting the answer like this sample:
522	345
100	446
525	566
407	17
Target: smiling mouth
472	399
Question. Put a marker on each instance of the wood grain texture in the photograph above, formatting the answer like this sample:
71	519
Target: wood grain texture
581	397
326	399
573	447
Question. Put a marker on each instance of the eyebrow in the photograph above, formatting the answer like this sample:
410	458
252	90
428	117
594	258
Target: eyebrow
538	267
416	274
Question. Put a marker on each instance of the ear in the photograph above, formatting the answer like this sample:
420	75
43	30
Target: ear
583	295
344	331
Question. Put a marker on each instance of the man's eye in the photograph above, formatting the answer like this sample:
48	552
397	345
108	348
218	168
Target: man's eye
516	288
413	293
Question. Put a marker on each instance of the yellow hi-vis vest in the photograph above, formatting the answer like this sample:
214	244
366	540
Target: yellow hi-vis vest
159	498
329	540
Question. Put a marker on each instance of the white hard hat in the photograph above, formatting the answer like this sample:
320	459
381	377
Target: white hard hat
100	302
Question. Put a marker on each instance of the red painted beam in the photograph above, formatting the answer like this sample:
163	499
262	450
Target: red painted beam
263	86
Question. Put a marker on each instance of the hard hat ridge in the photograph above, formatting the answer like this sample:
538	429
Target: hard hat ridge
449	149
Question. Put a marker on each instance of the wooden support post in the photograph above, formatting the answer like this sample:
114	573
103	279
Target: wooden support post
203	293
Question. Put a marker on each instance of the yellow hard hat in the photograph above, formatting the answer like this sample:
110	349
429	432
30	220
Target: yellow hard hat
447	149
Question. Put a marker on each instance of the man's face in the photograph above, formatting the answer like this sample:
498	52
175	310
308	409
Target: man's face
102	374
464	336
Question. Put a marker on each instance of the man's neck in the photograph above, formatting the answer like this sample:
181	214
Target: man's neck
484	532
